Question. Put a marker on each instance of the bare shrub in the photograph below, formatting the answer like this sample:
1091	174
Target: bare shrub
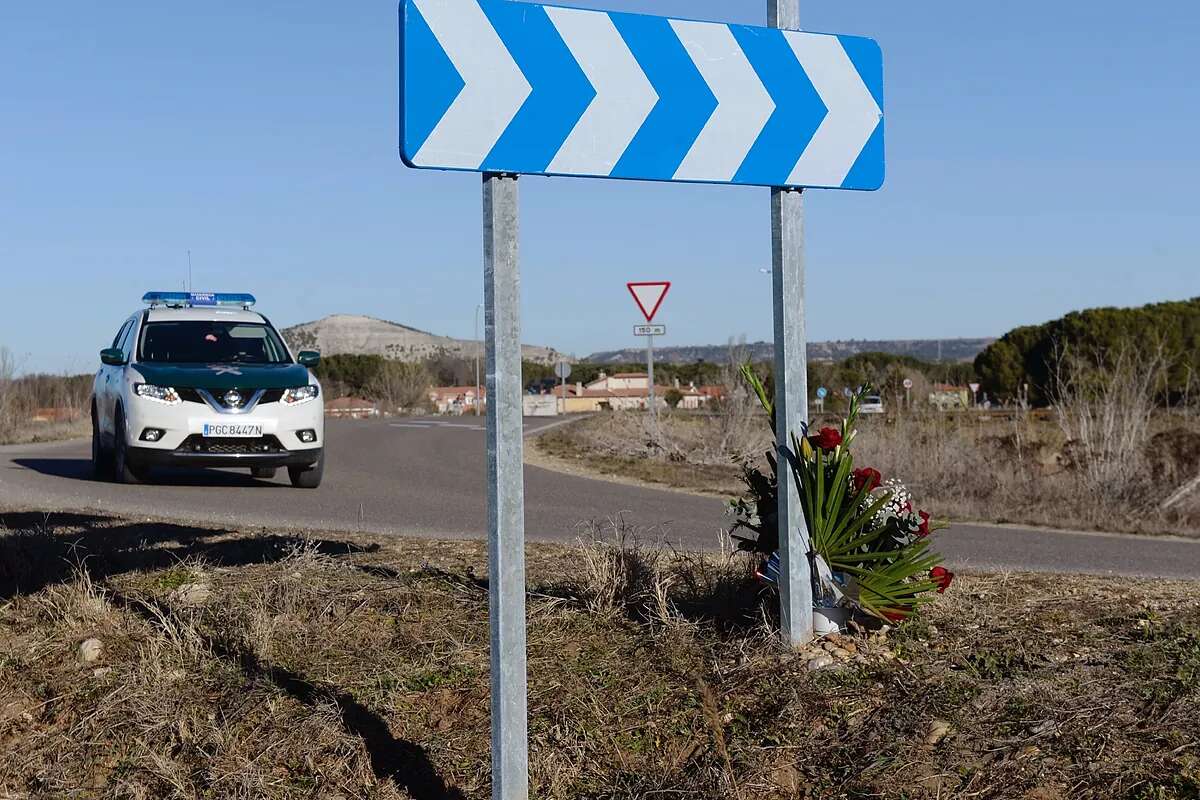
11	407
618	571
401	387
1104	407
667	589
740	433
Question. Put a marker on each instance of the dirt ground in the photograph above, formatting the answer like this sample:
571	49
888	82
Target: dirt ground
35	432
148	660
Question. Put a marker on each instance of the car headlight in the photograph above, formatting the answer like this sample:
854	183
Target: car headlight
161	394
300	394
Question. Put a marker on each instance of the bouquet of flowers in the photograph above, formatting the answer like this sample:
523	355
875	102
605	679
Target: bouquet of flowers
869	543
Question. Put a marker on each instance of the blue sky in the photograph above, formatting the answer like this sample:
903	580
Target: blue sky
1042	157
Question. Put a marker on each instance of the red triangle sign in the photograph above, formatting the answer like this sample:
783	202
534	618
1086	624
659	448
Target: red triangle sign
649	296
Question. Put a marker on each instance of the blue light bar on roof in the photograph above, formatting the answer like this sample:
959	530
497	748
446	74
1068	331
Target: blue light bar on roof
189	299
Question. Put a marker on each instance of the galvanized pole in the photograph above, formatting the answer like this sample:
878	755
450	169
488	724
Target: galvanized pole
506	488
650	370
791	384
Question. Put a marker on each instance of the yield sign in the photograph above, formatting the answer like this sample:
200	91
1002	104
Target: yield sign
649	296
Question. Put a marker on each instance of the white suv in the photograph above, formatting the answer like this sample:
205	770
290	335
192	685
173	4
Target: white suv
199	379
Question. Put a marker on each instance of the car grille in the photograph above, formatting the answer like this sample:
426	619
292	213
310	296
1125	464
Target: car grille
230	446
193	396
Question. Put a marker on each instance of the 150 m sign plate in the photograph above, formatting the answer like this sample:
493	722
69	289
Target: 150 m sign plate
503	86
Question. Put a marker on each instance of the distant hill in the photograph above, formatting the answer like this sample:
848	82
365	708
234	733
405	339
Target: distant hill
925	349
352	334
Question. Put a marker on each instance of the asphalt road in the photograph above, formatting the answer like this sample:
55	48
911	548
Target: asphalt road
425	477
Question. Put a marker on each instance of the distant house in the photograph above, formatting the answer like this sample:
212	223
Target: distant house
946	396
625	391
456	399
352	408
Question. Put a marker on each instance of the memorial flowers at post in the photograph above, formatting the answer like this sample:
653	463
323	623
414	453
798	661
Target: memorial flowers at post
869	539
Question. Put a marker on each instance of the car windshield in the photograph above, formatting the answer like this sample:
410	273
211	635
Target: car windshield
211	341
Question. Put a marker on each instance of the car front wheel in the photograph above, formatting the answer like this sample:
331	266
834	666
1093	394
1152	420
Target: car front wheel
124	472
101	458
308	477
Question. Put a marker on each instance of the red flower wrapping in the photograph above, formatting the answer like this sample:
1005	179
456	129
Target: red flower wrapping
826	439
942	577
866	477
894	614
923	530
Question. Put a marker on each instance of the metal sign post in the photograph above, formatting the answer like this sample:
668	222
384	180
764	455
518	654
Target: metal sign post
563	370
507	88
649	296
791	384
506	487
650	372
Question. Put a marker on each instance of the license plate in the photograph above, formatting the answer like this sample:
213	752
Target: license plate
232	430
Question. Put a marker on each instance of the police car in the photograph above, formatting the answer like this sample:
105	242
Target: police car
199	379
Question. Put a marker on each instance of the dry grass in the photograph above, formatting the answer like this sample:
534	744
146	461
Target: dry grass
1016	467
20	398
691	451
352	668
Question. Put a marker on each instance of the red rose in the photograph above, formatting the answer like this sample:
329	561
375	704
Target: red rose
942	577
866	477
826	439
923	530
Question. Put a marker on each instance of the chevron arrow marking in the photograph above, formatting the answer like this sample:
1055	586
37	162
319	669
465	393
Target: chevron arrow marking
743	105
624	96
493	87
853	113
560	93
503	86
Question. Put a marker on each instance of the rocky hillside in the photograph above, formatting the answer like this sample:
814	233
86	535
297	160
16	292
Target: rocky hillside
924	349
348	333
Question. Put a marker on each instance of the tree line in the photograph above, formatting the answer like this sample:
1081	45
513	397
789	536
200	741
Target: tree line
1025	361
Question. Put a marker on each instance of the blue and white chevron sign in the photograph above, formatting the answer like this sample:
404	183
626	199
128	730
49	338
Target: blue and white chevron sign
502	86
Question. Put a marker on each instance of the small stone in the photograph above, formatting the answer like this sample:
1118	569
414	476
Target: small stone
828	647
191	594
1043	727
100	672
841	653
849	646
820	662
90	650
938	729
859	658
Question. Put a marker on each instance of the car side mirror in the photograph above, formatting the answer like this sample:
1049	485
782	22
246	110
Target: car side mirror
112	356
308	358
